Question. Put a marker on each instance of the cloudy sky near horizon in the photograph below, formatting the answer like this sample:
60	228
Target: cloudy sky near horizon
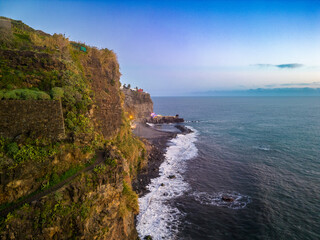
179	47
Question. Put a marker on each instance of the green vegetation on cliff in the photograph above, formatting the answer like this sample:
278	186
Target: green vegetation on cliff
34	65
32	150
24	94
98	203
130	146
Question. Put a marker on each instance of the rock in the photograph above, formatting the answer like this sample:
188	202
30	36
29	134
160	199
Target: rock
50	232
161	184
14	184
184	129
165	119
138	104
172	176
227	199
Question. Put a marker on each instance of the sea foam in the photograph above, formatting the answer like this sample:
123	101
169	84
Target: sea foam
157	218
216	199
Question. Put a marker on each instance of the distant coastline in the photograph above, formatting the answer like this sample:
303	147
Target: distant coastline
294	92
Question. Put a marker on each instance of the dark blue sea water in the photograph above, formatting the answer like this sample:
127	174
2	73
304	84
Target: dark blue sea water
264	152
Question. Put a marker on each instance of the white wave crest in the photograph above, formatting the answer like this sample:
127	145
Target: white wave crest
156	218
220	199
263	148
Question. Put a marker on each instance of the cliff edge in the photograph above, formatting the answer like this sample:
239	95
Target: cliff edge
138	104
77	186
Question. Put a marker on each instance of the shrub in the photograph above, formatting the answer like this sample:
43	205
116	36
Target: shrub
131	198
27	152
9	86
12	149
24	94
57	93
43	96
54	179
32	150
10	95
111	162
3	144
27	94
100	169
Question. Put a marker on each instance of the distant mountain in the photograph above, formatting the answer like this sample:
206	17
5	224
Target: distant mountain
263	92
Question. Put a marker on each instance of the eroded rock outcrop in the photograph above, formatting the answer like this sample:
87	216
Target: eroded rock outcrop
138	104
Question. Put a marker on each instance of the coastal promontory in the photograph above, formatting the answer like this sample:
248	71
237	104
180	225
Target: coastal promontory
67	153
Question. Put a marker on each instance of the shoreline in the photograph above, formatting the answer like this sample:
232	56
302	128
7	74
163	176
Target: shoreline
157	141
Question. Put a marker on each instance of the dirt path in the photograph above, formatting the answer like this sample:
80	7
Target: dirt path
100	159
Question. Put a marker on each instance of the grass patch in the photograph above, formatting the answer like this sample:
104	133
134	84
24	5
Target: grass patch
131	198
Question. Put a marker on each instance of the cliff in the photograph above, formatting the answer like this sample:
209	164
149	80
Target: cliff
77	186
138	104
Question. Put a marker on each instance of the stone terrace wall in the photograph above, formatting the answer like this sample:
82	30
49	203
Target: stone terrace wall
39	117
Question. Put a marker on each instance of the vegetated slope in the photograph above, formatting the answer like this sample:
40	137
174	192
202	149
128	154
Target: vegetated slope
99	203
31	59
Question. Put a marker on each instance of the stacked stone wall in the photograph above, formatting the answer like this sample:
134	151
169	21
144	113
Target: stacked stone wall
35	117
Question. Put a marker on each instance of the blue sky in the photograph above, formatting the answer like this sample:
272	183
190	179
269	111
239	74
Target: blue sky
179	47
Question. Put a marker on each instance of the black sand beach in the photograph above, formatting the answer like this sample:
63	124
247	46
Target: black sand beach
158	142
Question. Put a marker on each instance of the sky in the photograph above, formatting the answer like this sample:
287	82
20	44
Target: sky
173	48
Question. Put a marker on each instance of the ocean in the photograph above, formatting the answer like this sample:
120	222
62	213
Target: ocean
263	152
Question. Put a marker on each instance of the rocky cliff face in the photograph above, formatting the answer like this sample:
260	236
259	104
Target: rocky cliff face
31	59
95	205
138	104
87	196
102	69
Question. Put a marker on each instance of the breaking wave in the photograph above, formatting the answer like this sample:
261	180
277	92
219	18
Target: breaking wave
233	200
157	218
